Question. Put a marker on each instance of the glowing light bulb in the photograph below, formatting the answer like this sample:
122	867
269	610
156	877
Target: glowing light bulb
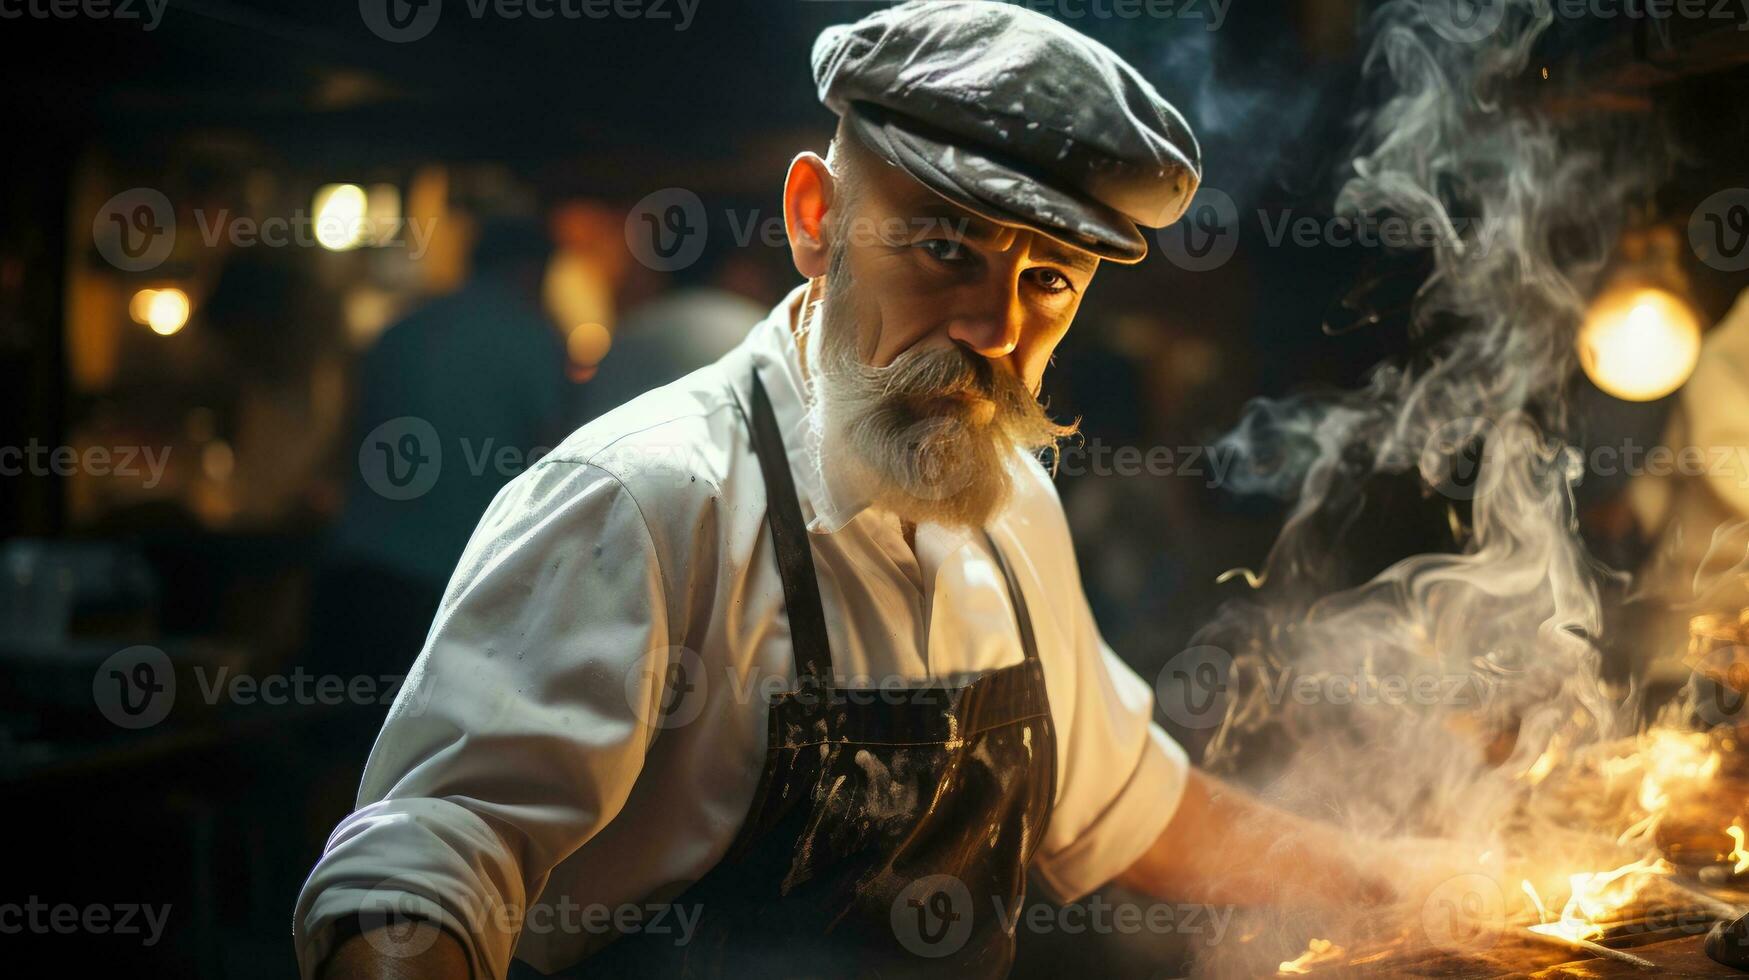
164	310
341	217
1639	345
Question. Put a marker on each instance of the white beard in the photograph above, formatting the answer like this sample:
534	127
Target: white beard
932	437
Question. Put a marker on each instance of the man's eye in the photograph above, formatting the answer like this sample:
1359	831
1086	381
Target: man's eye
944	249
1051	281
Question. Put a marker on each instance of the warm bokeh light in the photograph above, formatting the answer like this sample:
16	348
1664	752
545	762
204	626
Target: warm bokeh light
217	460
341	211
140	306
382	211
1639	345
587	344
164	310
577	289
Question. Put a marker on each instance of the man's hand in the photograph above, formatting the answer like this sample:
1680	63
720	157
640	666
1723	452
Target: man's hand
1424	867
381	954
1225	846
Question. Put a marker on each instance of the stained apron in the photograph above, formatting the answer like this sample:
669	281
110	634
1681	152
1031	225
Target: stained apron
892	827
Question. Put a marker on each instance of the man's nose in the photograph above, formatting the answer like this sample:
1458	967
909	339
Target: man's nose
993	330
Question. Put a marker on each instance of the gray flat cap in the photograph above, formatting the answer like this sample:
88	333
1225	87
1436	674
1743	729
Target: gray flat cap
1014	117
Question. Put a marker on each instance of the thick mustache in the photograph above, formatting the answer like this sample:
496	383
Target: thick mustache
946	372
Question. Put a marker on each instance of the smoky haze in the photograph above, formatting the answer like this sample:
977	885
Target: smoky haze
1487	648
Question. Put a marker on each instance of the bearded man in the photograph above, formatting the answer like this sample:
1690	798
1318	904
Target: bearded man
785	669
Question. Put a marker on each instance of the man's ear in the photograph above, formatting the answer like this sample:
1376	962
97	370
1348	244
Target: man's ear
807	195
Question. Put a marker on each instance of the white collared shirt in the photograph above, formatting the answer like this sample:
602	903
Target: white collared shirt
587	722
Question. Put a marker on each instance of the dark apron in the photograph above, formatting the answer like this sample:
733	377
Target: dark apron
892	828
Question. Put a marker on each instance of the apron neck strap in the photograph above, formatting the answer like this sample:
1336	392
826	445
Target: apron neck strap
795	557
1022	618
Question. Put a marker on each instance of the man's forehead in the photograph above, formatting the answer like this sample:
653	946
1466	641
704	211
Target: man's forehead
910	198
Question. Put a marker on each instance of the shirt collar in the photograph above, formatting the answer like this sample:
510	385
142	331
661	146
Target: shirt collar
829	497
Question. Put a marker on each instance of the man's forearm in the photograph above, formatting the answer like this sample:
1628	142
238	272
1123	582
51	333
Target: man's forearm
376	955
1225	846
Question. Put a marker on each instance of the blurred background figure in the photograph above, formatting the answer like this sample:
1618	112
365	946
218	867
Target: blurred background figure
277	369
586	281
451	403
709	306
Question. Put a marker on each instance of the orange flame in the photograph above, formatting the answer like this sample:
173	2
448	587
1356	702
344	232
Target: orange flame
1317	951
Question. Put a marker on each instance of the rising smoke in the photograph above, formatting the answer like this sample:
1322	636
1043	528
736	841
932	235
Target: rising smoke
1490	646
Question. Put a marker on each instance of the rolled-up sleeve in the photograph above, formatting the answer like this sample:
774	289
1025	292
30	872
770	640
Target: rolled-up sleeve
521	728
1121	776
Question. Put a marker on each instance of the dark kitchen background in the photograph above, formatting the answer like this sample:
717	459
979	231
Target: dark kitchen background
198	461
